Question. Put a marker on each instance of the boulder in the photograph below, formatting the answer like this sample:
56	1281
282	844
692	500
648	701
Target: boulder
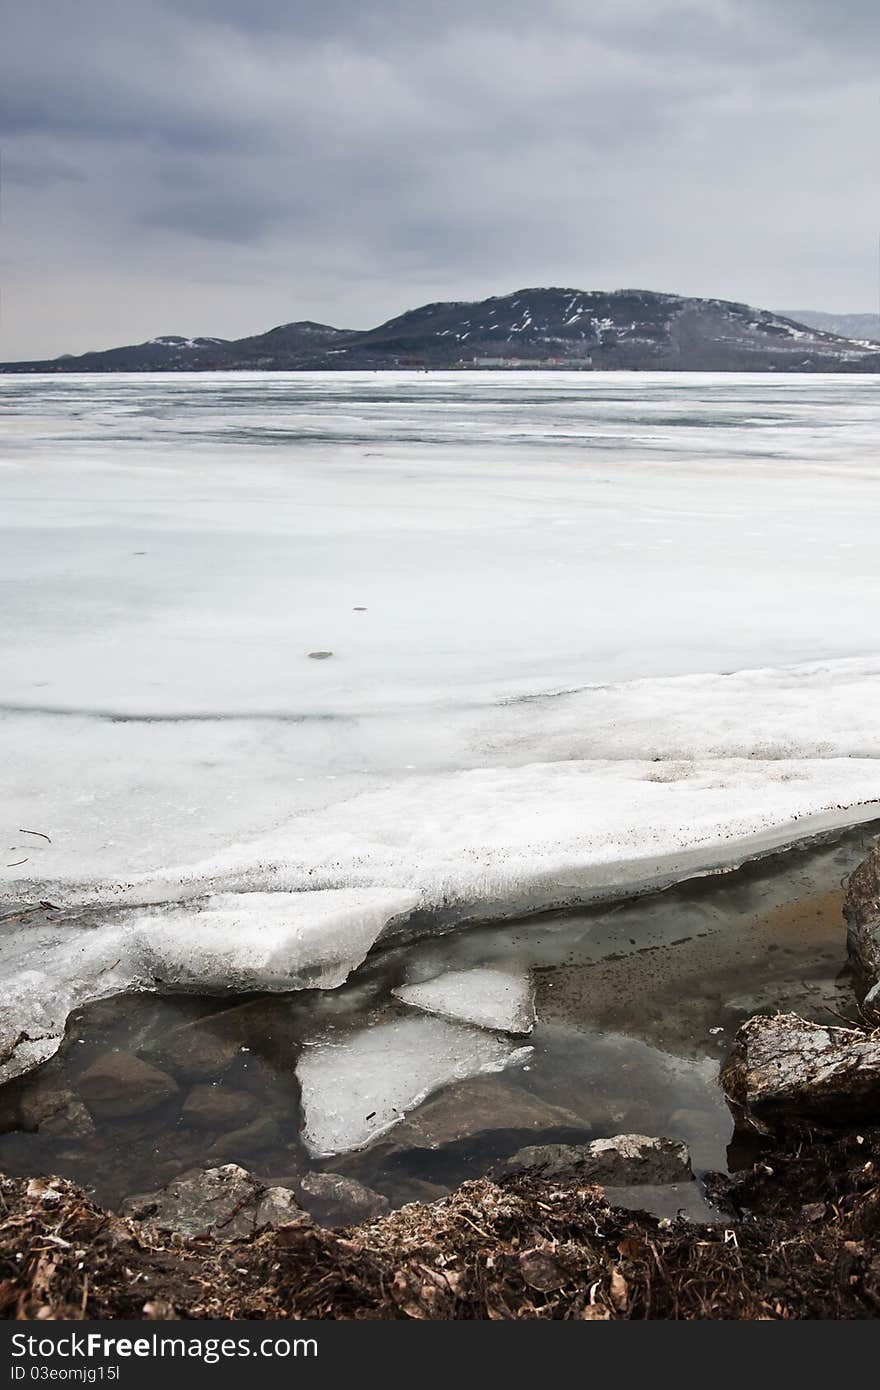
785	1069
477	1106
69	1122
627	1160
861	908
261	1133
54	1110
227	1202
195	1052
334	1200
217	1106
118	1083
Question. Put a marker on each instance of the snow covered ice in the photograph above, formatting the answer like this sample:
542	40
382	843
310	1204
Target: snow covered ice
502	999
588	631
236	941
280	941
359	1087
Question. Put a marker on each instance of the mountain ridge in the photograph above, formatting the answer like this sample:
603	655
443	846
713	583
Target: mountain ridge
859	327
630	329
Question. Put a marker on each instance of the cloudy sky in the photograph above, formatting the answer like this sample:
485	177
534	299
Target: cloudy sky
220	166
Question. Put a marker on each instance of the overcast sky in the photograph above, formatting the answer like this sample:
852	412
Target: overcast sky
220	166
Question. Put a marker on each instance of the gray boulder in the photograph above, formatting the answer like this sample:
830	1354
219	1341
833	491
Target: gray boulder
784	1069
861	908
227	1202
627	1160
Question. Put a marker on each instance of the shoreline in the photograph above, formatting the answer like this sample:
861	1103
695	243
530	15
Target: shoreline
164	953
796	1240
634	1006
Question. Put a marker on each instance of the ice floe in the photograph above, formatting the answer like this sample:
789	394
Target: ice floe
489	998
357	1087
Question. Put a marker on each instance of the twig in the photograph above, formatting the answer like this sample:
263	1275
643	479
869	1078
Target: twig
41	834
850	1022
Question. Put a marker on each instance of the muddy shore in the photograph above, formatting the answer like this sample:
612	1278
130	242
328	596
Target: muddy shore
793	1232
800	1241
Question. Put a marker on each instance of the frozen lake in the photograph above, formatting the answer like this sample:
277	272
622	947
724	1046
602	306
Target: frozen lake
586	629
177	545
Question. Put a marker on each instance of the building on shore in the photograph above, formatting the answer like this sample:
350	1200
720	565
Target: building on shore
511	363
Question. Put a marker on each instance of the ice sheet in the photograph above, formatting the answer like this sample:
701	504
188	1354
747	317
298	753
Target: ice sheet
361	1085
502	999
230	942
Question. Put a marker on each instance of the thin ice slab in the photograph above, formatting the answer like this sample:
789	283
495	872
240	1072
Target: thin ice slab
360	1087
502	999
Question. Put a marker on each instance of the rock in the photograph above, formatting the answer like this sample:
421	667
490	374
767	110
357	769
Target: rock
72	1121
213	1107
260	1134
334	1200
38	1103
278	1206
627	1160
477	1106
861	908
194	1052
226	1201
117	1083
783	1069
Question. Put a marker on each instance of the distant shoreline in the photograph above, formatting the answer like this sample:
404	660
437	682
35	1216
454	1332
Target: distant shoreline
528	330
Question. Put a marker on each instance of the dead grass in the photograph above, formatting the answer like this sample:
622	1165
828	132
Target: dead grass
802	1242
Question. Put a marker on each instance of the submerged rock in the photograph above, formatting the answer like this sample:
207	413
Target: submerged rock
627	1160
70	1121
215	1107
361	1084
334	1200
226	1201
477	1106
783	1069
118	1083
262	1133
194	1052
861	908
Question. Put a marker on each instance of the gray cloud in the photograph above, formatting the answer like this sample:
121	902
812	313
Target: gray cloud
238	165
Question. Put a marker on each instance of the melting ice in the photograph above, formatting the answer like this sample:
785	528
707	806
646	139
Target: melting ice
360	1086
585	629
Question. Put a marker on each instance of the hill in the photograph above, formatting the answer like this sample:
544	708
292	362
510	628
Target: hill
636	330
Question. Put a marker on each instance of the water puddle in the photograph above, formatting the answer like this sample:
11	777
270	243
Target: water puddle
635	1006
